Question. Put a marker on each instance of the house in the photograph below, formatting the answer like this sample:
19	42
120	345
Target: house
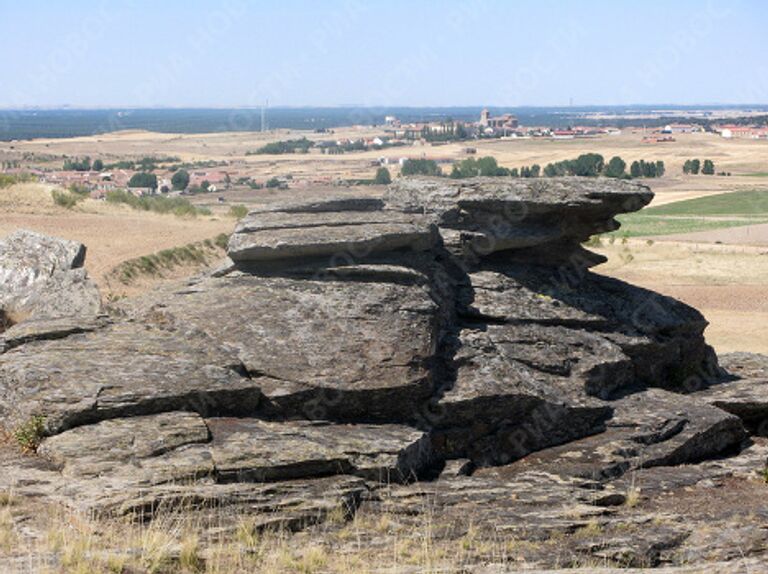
729	131
681	129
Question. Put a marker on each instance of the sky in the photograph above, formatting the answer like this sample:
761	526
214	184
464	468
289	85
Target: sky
233	53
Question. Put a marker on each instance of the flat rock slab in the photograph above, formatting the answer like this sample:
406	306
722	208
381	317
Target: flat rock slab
331	349
45	329
155	446
182	446
249	450
568	196
346	235
124	370
501	214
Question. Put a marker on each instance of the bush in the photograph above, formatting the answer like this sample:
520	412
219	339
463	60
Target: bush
30	434
65	199
273	182
175	205
238	211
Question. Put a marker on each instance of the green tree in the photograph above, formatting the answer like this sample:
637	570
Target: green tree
695	166
616	167
708	168
180	180
98	165
635	170
143	179
588	165
687	167
660	169
535	170
383	176
420	167
550	170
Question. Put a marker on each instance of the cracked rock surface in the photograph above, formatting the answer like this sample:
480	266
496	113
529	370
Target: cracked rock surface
444	352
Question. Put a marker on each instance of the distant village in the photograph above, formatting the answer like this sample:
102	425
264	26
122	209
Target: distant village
98	179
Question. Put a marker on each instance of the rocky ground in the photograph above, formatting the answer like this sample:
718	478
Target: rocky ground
434	381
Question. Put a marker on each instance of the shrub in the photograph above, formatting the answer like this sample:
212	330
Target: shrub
238	211
65	199
30	434
6	180
158	204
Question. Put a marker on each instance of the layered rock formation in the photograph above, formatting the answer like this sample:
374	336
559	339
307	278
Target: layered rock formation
450	339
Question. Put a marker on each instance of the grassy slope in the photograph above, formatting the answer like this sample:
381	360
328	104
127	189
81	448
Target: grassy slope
700	214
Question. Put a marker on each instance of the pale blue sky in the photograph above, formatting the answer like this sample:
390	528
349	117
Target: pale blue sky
371	52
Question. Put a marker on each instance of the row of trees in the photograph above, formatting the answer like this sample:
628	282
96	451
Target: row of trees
471	167
144	164
83	164
286	146
644	168
593	164
420	167
694	166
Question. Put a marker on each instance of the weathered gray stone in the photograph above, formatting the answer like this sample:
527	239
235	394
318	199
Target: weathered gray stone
661	339
41	278
346	348
49	329
331	349
27	257
745	392
499	214
650	428
139	450
123	370
247	450
342	236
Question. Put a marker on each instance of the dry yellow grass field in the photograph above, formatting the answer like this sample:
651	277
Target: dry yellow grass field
739	156
112	233
727	283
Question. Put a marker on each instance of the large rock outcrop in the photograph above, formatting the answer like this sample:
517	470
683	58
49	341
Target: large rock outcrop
450	335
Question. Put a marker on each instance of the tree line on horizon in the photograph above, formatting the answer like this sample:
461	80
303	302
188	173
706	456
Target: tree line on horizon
586	165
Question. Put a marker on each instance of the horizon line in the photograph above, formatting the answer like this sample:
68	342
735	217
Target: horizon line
109	107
